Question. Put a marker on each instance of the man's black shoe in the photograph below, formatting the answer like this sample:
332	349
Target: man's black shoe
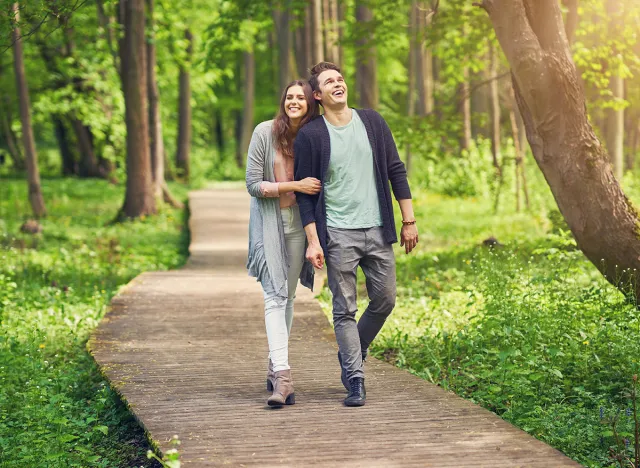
357	394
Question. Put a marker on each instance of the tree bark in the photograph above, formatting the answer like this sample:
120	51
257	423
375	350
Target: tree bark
330	9
464	93
411	68
571	23
247	113
156	142
302	45
366	62
139	197
184	112
9	135
69	166
495	112
89	166
574	163
28	141
283	36
424	62
615	127
317	43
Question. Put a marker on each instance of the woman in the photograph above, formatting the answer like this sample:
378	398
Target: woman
277	240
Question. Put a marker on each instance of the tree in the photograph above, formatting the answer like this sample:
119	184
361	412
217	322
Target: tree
317	44
576	166
184	110
281	19
139	197
615	113
366	65
156	144
424	60
246	127
28	141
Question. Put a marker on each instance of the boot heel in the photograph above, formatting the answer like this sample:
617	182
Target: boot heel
291	399
269	386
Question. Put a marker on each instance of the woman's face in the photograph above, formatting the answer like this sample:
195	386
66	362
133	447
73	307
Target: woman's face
295	104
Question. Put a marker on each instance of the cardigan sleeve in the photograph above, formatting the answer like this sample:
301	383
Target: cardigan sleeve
255	165
395	167
303	168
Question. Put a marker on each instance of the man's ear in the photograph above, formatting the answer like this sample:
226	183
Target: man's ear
317	96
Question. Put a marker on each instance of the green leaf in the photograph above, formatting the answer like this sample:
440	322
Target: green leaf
103	429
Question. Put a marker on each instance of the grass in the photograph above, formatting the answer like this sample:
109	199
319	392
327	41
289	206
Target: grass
529	329
55	407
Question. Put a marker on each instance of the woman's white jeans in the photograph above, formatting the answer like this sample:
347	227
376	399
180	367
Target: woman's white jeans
278	311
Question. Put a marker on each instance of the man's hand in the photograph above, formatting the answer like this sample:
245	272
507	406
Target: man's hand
409	237
315	255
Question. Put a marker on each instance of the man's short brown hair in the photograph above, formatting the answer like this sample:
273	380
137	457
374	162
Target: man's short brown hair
319	68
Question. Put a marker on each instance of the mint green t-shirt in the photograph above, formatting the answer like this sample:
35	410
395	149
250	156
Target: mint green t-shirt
351	198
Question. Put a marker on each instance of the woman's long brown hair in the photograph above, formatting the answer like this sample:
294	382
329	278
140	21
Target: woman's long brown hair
282	129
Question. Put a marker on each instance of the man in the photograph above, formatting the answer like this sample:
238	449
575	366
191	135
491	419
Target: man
350	222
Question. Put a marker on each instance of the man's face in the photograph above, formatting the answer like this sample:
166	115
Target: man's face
333	89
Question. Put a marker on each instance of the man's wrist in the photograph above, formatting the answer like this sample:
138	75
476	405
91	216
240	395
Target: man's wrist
408	222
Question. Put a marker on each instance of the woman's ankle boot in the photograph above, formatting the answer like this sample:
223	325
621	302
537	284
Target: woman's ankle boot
271	377
283	390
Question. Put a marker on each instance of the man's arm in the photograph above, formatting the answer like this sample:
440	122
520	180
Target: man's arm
314	252
400	185
303	168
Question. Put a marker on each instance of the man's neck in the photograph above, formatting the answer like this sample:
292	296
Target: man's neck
338	117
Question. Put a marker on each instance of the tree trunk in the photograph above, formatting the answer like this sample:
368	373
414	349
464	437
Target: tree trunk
9	135
317	43
69	166
88	161
342	11
366	66
571	23
219	131
424	65
332	36
495	112
615	127
302	45
247	113
411	68
574	163
139	197
156	142
464	93
283	35
106	23
184	112
28	141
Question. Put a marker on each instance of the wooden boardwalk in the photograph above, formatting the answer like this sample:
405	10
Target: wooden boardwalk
187	351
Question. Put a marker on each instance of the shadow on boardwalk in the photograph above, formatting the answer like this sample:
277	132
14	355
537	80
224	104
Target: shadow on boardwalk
187	350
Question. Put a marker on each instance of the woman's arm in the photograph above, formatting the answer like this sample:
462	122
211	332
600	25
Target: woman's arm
255	164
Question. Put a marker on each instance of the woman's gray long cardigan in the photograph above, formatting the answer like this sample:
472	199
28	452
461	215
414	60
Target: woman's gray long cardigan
267	251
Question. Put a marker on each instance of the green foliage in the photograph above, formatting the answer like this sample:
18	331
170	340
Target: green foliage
55	408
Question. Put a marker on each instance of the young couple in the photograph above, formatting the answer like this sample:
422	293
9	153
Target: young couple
320	191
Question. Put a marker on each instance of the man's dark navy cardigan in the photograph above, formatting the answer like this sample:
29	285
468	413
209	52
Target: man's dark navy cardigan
312	150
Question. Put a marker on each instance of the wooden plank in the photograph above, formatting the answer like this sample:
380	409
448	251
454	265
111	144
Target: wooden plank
187	351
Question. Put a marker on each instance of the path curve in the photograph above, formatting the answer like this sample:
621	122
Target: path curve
187	351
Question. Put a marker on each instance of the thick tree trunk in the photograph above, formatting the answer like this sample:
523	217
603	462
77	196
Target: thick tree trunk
139	196
184	112
283	37
574	163
69	166
366	59
247	114
28	141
